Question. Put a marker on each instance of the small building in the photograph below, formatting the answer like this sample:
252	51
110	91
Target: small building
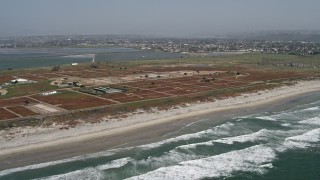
74	64
49	93
101	90
19	80
108	90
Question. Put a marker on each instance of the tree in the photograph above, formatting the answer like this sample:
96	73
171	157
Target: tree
94	66
55	68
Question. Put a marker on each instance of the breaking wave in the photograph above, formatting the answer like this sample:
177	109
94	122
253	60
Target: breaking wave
252	159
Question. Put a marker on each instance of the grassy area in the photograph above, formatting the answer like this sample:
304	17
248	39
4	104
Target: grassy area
247	59
27	89
252	60
72	100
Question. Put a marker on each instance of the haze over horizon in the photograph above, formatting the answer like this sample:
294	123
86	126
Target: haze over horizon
153	17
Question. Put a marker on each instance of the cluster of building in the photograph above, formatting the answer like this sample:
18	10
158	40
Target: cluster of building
5	85
65	82
102	90
226	45
173	45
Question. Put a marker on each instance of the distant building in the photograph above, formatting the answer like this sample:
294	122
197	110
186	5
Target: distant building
49	93
19	80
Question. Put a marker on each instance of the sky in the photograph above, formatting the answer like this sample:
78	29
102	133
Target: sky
155	17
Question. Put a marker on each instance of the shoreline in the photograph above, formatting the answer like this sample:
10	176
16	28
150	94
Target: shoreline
121	132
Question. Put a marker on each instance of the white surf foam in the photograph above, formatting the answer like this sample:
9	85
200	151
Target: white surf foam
252	159
256	136
223	129
90	173
192	123
263	134
311	136
302	141
52	163
311	109
194	145
268	118
312	121
83	174
115	164
286	124
169	158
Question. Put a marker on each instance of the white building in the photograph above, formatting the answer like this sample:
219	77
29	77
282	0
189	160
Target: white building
49	93
19	80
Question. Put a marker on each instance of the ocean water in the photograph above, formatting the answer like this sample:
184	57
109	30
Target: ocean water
280	142
43	57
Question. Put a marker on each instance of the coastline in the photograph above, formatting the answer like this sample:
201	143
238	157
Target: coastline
51	144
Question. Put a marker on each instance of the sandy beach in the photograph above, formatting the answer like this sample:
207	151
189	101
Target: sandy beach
29	145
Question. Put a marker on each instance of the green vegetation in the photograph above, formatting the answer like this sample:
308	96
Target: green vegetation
27	89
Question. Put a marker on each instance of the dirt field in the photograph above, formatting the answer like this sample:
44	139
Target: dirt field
131	98
4	114
15	102
5	78
22	110
72	100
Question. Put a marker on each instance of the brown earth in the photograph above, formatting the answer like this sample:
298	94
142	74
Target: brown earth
72	100
15	102
23	111
4	114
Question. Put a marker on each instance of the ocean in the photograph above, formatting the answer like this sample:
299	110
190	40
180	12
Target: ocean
275	141
43	57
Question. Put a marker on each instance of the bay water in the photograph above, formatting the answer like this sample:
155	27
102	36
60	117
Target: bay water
44	57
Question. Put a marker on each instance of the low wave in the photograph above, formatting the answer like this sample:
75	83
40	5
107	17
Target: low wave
311	136
252	159
302	141
311	121
223	129
115	164
88	174
311	109
52	163
268	118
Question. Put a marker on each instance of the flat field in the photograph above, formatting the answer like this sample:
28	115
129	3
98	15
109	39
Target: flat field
72	100
22	110
15	101
4	114
151	83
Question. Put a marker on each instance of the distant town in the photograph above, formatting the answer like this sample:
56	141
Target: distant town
202	45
